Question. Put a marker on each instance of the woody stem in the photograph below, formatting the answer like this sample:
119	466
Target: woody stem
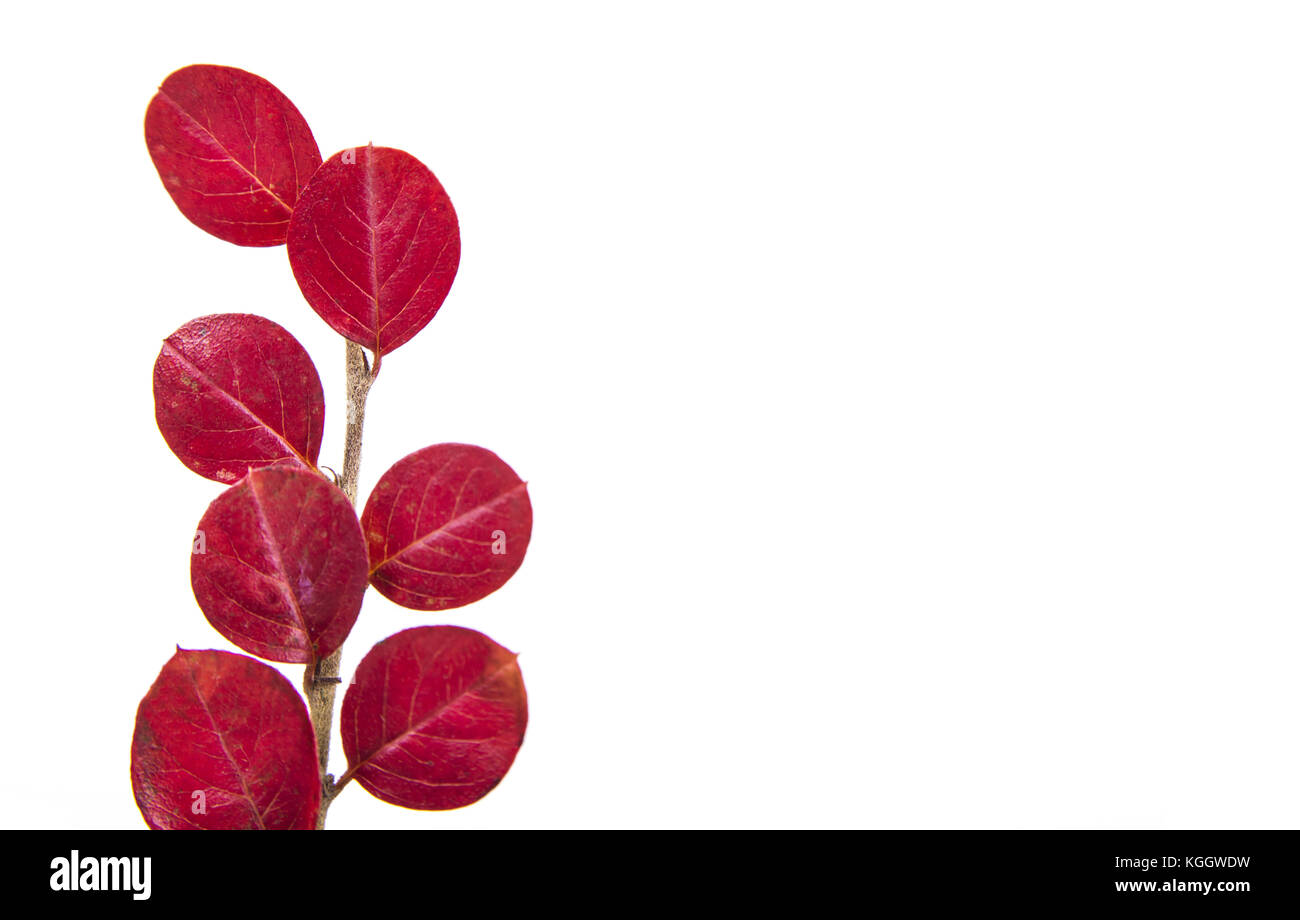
322	677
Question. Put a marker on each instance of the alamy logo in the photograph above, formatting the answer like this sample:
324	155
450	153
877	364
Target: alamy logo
106	873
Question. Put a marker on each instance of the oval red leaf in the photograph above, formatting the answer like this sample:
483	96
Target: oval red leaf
446	526
279	565
223	742
433	718
233	392
374	244
232	151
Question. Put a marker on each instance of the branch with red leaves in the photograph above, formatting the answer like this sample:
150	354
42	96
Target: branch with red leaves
435	715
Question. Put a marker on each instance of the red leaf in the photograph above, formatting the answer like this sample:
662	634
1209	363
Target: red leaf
233	392
282	567
434	717
446	526
231	150
226	735
374	244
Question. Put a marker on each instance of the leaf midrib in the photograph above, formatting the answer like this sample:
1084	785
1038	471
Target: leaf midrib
234	401
447	525
221	739
432	717
230	156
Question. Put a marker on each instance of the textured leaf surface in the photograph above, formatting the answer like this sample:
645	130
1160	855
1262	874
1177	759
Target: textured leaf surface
233	392
282	571
434	717
446	526
224	742
232	151
374	244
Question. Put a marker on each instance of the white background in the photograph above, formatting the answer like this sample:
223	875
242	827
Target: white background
907	394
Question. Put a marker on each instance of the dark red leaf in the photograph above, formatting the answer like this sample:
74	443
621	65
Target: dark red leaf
446	526
223	742
434	717
374	244
233	392
279	566
231	150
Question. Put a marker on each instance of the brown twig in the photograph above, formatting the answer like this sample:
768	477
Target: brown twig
322	676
